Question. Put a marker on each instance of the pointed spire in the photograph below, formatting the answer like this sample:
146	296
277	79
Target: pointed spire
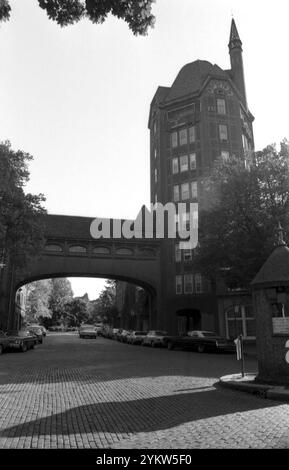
235	40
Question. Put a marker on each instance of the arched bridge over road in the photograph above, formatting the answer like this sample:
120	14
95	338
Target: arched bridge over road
70	250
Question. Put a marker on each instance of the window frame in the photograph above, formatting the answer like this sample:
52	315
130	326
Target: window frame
221	108
223	127
179	277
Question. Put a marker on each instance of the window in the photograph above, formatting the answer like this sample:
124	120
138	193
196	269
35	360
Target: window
240	319
245	142
225	155
156	198
194	189
156	175
185	190
155	153
175	166
101	250
179	284
223	132
54	248
77	249
176	193
221	106
174	139
193	161
188	283
187	254
183	137
178	253
185	221
198	283
184	166
192	134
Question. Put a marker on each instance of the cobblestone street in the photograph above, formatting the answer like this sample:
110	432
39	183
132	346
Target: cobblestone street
72	393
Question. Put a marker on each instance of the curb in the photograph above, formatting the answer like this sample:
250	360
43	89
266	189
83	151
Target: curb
271	392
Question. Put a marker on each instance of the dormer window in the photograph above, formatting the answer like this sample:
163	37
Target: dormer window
221	106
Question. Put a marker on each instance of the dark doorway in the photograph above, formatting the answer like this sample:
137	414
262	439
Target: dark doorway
188	319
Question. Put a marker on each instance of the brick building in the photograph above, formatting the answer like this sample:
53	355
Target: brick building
202	116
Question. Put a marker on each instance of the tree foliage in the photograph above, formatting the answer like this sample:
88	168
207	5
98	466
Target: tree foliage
75	312
137	14
37	300
238	232
106	302
61	293
21	227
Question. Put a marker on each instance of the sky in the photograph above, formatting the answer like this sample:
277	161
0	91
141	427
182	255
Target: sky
78	98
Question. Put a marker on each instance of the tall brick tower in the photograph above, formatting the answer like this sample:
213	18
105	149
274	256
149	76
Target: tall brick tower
202	116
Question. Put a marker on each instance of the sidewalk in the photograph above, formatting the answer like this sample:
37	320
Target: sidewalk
248	384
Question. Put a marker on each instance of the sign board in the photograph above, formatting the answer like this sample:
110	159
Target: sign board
280	325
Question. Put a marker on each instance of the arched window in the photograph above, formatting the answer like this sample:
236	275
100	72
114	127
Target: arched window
101	250
240	319
77	249
53	248
124	251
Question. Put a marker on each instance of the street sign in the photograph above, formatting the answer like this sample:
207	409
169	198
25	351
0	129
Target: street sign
240	351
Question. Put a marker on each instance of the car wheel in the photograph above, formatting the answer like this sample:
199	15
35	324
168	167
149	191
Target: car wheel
201	348
32	346
23	347
1	349
170	345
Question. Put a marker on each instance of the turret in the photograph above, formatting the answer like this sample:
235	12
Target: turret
237	69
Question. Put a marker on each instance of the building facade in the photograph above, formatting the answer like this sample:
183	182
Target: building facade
202	116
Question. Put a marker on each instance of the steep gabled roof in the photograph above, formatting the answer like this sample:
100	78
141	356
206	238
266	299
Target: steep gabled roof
191	77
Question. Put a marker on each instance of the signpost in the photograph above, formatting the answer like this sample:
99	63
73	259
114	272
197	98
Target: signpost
240	352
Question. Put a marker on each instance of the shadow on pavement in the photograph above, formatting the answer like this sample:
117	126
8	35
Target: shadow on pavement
143	415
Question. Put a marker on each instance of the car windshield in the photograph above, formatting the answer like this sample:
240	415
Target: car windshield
87	327
160	333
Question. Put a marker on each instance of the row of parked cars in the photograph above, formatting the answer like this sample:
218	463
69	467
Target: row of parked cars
22	340
197	340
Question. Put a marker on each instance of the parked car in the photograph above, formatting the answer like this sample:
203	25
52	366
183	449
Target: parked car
116	332
21	340
36	331
4	342
123	336
41	327
201	341
136	337
99	327
155	338
87	331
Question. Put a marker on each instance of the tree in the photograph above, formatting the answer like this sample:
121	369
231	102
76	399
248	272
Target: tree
21	226
61	293
37	300
106	302
137	14
237	233
75	312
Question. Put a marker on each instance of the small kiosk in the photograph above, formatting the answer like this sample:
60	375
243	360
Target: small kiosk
271	305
